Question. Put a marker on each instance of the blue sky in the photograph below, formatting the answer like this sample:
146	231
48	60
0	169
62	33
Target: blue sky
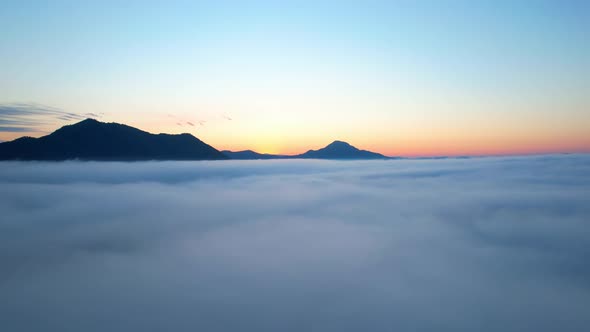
402	77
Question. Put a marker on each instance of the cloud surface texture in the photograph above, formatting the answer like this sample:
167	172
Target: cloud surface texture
480	244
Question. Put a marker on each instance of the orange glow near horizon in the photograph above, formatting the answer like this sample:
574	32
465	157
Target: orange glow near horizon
402	79
227	135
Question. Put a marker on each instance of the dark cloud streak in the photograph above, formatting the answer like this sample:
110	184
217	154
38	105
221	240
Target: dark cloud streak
19	129
31	117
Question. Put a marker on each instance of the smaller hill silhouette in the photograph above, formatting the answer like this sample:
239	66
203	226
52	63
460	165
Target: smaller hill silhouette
94	140
341	150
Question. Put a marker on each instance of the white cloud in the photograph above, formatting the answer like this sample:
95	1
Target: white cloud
409	245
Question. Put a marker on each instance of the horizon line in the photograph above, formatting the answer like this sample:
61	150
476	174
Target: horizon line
405	156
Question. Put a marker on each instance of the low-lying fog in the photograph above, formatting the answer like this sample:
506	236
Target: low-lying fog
490	244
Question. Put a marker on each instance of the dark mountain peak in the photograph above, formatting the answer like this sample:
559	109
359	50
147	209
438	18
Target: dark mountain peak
340	146
338	143
89	121
340	150
85	123
95	129
91	139
187	135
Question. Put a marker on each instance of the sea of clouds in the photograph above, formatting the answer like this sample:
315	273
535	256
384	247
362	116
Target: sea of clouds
481	244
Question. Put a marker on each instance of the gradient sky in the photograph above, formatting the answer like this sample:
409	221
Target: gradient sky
398	77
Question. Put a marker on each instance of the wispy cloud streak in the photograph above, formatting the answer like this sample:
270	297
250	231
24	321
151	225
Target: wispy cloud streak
32	117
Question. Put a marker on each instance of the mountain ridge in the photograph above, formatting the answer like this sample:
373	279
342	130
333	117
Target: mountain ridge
91	139
94	140
252	155
335	150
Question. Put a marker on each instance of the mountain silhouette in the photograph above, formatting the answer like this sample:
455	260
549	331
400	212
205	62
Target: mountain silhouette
341	150
94	140
335	150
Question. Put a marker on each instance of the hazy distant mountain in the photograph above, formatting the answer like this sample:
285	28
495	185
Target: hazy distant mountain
94	140
335	150
251	155
341	150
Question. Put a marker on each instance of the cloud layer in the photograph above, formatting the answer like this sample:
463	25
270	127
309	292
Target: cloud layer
405	245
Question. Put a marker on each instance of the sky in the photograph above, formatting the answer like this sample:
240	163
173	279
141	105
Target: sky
476	244
409	78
